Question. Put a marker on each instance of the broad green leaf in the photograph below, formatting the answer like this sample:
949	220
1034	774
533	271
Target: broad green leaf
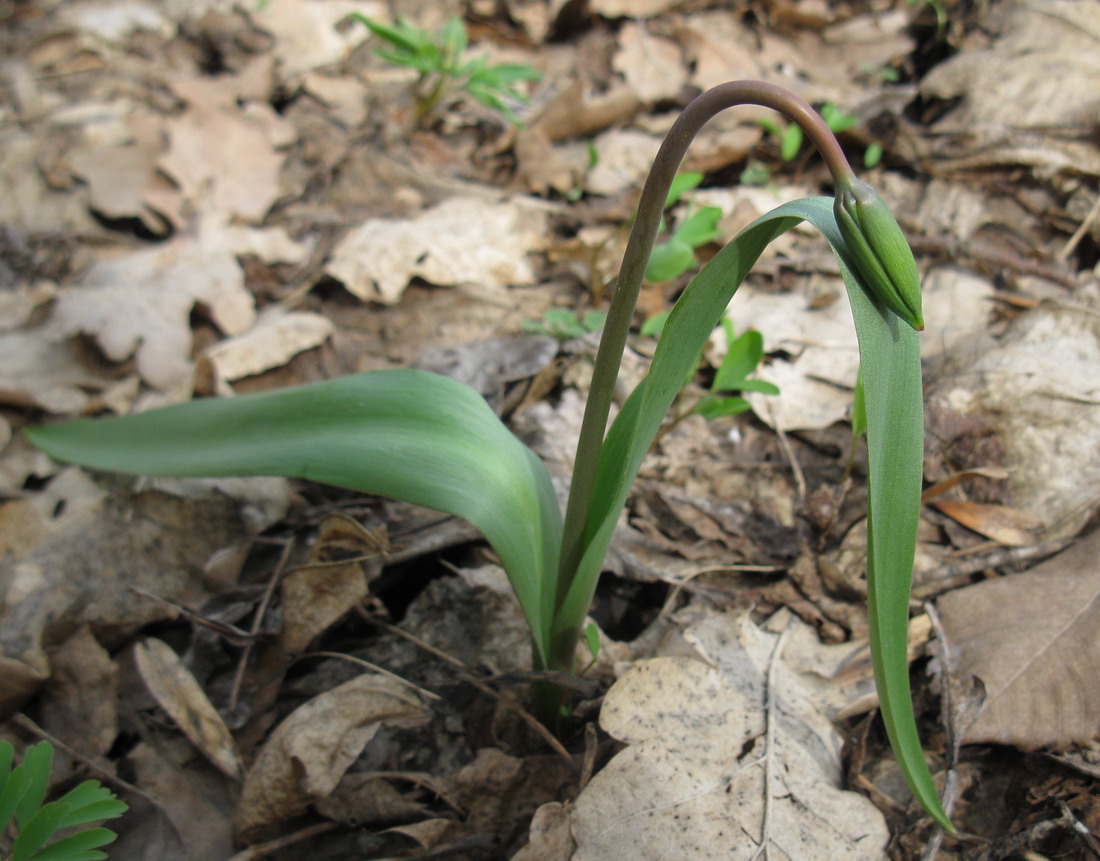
741	359
700	227
682	183
407	434
890	356
669	259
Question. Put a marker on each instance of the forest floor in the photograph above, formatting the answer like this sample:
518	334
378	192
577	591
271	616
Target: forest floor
201	198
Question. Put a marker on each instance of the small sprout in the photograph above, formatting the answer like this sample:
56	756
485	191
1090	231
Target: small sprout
743	357
878	250
592	640
872	155
676	255
565	324
22	793
443	71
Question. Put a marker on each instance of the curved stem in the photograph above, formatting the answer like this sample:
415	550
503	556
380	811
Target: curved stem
635	261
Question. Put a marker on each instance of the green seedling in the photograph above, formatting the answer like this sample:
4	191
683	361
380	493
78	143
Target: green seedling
790	142
676	255
444	70
32	823
433	441
742	358
565	324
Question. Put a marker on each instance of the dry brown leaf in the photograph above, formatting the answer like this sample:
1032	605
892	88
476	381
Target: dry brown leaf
651	65
238	176
322	591
719	48
631	8
625	156
140	303
186	796
1030	639
308	32
43	368
26	201
80	701
123	179
1033	395
1032	67
551	836
276	338
692	784
175	689
308	753
462	240
1005	525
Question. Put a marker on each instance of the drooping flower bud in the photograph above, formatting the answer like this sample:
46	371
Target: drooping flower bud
879	250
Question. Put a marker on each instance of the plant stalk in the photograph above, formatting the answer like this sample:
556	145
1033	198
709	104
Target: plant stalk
635	260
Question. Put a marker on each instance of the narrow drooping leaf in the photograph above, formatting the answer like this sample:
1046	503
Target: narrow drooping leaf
407	434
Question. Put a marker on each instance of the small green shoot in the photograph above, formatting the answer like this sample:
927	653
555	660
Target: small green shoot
566	325
742	358
31	823
443	70
676	255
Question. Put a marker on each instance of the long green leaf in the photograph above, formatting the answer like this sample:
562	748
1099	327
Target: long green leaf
890	357
407	434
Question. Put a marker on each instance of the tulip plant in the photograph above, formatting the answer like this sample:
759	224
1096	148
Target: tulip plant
432	441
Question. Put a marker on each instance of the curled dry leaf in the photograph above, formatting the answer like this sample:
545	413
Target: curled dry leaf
1005	525
1030	639
278	336
140	303
650	64
322	591
177	692
308	753
464	240
711	771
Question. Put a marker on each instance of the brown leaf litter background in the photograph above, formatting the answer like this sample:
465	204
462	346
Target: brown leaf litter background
206	198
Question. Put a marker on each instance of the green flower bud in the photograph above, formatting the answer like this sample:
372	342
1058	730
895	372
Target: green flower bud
878	250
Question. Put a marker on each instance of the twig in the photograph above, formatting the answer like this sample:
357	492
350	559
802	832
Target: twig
257	623
30	726
382	671
771	728
259	850
956	574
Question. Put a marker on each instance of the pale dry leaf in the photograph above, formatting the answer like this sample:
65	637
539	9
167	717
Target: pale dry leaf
462	240
226	158
719	48
692	783
551	837
41	368
1035	392
631	8
625	156
651	65
180	695
276	338
27	203
1030	639
956	306
114	20
308	753
140	303
19	303
309	33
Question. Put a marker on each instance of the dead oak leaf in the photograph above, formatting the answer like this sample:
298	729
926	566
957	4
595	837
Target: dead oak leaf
225	156
650	64
464	240
308	753
140	303
701	777
1031	640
